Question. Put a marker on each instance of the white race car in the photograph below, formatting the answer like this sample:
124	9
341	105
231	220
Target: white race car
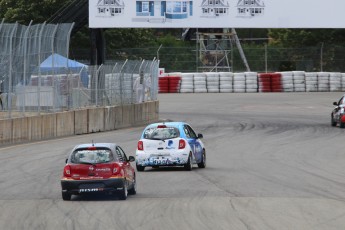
170	144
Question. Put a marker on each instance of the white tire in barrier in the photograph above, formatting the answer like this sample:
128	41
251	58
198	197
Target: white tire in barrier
288	90
323	81
311	83
239	85
298	77
251	86
299	89
200	83
311	88
251	75
301	81
184	82
286	75
323	74
212	74
287	78
199	78
213	90
186	91
225	90
252	90
323	87
225	86
287	85
231	74
212	84
187	86
239	90
239	77
311	76
251	81
187	76
298	73
225	79
200	90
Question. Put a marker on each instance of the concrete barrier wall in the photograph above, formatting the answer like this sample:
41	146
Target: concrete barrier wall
83	121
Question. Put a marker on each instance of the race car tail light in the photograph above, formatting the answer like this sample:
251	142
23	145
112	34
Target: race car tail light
117	169
67	171
161	126
181	144
140	145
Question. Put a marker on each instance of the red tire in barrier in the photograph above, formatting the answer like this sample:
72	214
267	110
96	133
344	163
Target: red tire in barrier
174	84
264	82
163	85
276	82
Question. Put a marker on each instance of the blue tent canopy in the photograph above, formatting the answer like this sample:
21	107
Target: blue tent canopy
58	64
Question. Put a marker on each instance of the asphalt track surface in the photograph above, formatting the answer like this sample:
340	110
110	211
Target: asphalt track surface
273	162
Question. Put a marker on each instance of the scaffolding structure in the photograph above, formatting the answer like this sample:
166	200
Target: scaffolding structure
215	49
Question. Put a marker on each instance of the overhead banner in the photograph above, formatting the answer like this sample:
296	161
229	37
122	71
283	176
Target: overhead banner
217	14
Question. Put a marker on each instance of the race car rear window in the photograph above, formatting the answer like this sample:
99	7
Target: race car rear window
86	156
161	133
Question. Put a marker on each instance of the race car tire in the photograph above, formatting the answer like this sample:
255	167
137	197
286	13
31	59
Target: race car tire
133	190
333	122
189	165
124	192
202	164
66	196
341	124
140	168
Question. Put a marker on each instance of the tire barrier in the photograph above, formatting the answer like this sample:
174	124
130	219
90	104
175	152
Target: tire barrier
298	81
252	82
239	82
187	85
311	82
200	84
169	84
287	81
226	82
163	85
212	80
270	82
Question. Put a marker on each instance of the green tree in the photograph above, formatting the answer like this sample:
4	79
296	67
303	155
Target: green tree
23	11
306	37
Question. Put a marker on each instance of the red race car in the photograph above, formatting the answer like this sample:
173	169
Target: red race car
101	167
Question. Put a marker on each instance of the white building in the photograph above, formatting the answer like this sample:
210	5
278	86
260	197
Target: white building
214	8
110	8
250	8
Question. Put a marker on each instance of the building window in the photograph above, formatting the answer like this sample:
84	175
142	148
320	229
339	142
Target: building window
184	7
145	7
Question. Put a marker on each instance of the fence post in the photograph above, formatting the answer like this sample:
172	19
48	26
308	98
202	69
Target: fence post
121	80
10	88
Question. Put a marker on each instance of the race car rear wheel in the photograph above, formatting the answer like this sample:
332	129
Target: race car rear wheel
189	165
66	196
202	164
124	192
140	168
333	122
133	190
341	124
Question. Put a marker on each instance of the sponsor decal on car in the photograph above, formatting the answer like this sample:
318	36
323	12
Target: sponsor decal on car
91	189
103	170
